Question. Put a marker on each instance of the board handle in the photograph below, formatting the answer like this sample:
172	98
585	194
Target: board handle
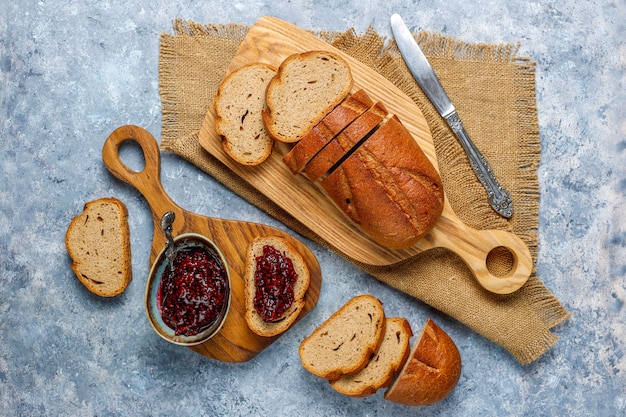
148	180
474	246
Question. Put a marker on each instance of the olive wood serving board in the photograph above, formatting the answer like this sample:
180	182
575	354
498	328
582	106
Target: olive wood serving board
271	40
235	342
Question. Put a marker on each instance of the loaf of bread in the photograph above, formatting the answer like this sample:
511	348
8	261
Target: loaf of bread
345	342
268	281
388	186
383	366
333	123
98	242
238	103
432	371
321	163
306	88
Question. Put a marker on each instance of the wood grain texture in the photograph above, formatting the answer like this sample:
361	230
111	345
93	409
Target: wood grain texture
271	40
235	342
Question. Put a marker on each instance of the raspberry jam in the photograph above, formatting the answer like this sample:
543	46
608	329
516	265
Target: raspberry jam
274	279
191	298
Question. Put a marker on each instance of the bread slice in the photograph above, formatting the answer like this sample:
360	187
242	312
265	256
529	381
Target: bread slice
383	367
431	372
238	103
332	124
344	343
98	241
255	321
305	89
366	123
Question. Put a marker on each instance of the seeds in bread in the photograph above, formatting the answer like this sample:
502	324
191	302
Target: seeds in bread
98	241
331	125
431	372
384	365
305	89
253	318
238	104
344	343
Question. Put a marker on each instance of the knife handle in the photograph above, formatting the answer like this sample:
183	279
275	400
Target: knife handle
499	198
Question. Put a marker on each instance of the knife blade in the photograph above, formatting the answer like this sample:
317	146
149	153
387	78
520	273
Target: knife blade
499	198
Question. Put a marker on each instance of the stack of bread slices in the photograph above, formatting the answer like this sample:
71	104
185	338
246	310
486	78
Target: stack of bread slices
359	351
360	154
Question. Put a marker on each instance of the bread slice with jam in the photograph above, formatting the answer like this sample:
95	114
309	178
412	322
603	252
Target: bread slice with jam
276	282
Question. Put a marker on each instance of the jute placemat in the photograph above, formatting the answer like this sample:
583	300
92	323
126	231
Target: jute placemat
494	92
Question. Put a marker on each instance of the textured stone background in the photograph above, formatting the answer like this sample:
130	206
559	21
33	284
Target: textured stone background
72	71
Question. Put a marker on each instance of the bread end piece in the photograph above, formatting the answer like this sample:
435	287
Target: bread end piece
431	372
98	242
253	319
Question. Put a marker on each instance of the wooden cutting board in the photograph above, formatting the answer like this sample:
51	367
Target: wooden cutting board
271	40
235	342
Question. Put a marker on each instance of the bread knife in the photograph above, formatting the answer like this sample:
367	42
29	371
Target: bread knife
499	198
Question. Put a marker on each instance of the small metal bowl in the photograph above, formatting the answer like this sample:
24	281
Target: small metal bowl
183	241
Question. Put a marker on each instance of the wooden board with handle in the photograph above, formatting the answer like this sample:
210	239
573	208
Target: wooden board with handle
235	342
271	40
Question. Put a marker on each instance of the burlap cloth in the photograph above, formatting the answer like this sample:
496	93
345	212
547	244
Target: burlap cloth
494	92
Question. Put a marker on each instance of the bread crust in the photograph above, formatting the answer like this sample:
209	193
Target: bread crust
87	251
432	371
275	116
254	321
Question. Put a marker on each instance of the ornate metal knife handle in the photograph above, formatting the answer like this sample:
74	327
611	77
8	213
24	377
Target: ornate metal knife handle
499	198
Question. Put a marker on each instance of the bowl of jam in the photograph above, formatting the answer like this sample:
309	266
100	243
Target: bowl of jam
188	297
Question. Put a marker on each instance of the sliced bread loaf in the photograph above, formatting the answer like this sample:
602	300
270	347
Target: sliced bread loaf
344	343
98	241
332	153
270	286
238	103
384	365
332	124
305	89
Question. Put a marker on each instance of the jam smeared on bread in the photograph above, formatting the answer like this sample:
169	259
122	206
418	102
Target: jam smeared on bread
274	278
283	277
191	297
